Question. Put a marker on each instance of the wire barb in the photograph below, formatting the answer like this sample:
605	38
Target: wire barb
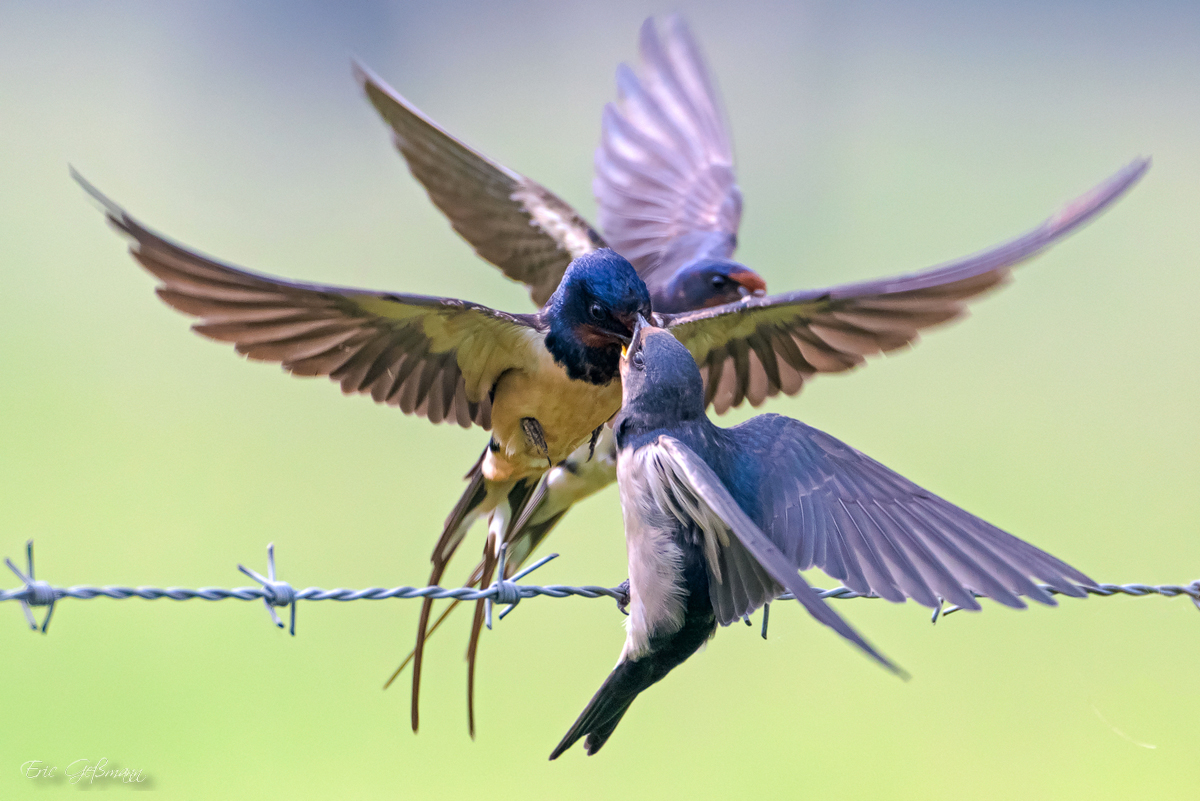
507	591
275	593
35	593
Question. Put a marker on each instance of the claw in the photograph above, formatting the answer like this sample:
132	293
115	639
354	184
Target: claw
623	601
537	437
592	443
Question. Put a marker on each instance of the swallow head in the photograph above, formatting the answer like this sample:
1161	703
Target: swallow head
709	282
600	297
661	384
593	312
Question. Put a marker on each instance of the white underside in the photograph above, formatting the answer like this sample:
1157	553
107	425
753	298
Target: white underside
656	604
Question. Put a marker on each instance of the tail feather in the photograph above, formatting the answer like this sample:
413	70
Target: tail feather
419	651
471	504
534	509
602	714
489	567
437	624
600	734
519	551
534	522
518	499
465	511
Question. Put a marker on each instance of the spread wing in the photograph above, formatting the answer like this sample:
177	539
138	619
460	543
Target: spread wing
760	347
826	505
517	224
749	567
434	357
664	167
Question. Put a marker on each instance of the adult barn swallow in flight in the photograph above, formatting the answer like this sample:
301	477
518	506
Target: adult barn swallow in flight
719	520
670	203
542	383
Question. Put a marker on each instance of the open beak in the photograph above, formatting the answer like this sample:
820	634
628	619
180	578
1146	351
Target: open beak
638	325
749	282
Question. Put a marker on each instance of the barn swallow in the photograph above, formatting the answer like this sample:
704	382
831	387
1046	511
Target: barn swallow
669	202
718	522
542	383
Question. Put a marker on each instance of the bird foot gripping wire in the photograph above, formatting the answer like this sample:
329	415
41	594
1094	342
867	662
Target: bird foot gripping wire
624	599
505	590
275	593
36	593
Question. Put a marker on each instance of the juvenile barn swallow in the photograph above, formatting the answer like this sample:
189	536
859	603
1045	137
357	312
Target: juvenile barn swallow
719	520
669	202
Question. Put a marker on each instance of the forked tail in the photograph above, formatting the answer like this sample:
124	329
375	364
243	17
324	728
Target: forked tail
532	509
473	503
610	703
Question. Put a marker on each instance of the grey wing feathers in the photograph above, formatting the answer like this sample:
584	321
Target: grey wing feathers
834	508
761	347
434	357
513	222
664	167
754	553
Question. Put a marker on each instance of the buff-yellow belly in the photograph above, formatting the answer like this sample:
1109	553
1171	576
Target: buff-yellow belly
568	411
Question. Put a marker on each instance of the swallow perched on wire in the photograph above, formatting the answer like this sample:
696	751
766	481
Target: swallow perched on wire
718	521
669	201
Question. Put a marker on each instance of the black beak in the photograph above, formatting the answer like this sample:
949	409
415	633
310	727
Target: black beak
635	321
640	323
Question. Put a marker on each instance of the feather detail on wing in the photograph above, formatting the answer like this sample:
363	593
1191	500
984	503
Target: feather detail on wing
826	505
511	221
435	357
753	568
664	167
760	347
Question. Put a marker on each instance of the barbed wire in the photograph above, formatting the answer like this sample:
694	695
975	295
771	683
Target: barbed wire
277	593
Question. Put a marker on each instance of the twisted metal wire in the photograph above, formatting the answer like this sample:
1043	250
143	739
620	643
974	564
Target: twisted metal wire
274	592
84	592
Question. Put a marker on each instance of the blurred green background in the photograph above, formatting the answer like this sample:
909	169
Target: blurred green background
872	139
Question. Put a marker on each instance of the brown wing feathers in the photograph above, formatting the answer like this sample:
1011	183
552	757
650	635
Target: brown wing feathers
433	357
310	332
763	346
511	221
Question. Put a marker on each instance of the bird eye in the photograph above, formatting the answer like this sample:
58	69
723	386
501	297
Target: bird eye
639	361
719	281
596	311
